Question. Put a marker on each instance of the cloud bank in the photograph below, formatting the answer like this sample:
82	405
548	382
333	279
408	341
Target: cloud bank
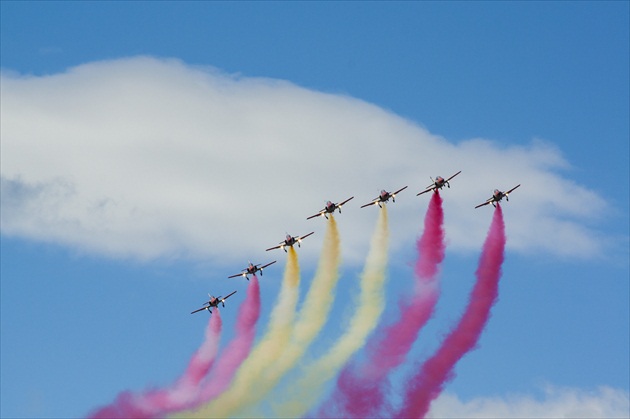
153	158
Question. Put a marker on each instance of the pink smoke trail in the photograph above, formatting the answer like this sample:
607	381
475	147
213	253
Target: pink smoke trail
437	370
360	390
156	403
238	349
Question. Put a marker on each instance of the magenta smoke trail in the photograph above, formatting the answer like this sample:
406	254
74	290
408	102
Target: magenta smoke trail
360	390
437	370
156	403
238	349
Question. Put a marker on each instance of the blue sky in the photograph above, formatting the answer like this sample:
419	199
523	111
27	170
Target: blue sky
110	238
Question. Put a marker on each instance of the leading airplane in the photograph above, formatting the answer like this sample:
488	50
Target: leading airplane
438	183
251	270
384	197
329	209
290	241
497	196
214	302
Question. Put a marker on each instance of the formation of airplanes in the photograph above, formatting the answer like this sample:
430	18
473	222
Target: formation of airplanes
437	184
213	302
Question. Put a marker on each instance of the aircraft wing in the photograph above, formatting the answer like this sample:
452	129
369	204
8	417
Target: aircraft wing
275	247
429	188
485	203
338	205
303	237
401	189
198	310
512	189
228	296
317	215
270	263
374	202
234	276
453	176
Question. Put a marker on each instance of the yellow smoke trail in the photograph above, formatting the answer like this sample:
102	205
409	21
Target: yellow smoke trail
312	316
247	379
307	390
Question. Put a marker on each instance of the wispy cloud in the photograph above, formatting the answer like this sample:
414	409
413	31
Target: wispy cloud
557	402
146	158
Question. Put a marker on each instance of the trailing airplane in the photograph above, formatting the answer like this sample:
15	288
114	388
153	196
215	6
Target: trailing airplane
497	196
214	302
251	270
438	183
383	197
290	241
329	209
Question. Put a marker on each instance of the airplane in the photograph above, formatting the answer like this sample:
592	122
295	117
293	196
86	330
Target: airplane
384	197
290	241
329	209
438	183
213	302
251	270
497	196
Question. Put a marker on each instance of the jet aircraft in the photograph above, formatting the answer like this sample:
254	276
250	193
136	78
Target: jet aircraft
383	197
213	302
497	196
290	241
329	209
438	183
251	270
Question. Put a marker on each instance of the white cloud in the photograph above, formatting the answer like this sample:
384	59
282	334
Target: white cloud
605	402
147	158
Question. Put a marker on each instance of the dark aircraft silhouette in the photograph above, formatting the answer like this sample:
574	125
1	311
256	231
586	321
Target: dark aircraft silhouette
383	197
251	270
290	241
438	183
497	196
213	302
329	209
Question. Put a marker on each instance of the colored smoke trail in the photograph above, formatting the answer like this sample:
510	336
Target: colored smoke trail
313	314
306	391
437	370
238	349
157	403
247	380
360	389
